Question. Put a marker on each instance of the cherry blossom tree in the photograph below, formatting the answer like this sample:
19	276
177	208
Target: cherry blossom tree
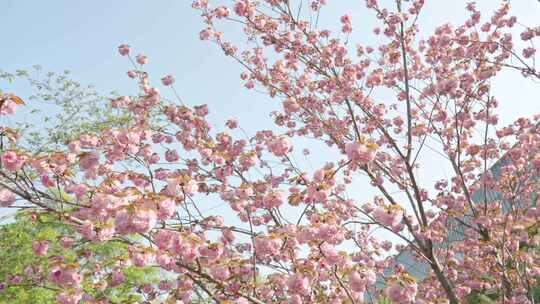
296	235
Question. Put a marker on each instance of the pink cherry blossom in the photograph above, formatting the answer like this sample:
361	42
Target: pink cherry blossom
66	242
220	273
64	276
359	153
141	59
168	80
72	297
165	209
40	248
140	220
7	198
8	106
117	278
12	161
123	49
171	156
401	292
280	146
387	216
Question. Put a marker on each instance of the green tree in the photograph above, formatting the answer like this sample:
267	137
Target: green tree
22	269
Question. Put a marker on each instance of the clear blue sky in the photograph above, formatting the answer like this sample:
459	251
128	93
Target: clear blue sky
82	36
